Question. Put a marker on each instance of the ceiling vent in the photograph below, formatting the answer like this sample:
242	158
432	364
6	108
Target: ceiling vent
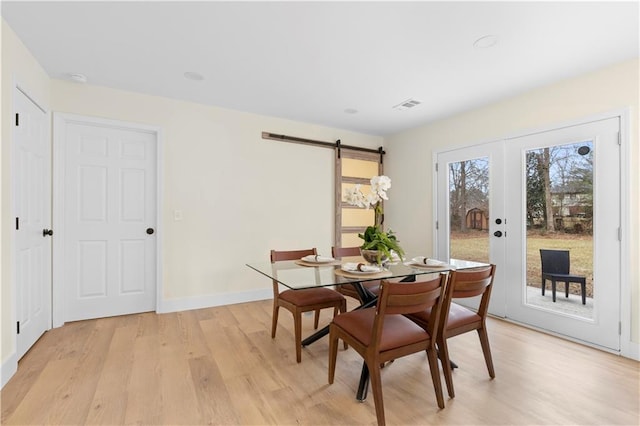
408	104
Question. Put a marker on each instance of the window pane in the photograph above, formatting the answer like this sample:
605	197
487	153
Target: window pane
351	240
559	217
364	188
359	168
469	209
357	217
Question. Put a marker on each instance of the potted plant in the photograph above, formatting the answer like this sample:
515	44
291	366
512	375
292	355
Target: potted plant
378	245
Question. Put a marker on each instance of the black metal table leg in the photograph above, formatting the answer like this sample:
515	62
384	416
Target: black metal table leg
363	386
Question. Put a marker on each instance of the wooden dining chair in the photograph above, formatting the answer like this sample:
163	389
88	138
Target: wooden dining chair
382	333
456	319
349	290
303	300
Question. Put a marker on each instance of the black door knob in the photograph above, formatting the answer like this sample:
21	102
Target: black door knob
498	221
498	233
150	231
46	232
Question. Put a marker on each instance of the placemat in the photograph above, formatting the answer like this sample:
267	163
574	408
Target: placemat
363	276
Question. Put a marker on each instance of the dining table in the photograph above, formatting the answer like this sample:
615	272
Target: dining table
321	271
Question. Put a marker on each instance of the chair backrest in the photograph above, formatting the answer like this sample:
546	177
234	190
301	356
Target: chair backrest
554	261
469	283
281	256
339	252
402	298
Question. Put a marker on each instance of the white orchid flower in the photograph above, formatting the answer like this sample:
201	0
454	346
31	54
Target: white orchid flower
355	197
380	183
379	187
372	199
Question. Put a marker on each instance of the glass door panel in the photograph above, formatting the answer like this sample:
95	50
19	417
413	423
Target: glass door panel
559	218
469	209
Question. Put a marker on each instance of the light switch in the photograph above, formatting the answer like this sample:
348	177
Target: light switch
177	215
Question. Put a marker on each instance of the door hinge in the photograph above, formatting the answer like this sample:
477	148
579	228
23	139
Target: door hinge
18	326
17	119
619	138
17	223
619	328
436	167
437	225
619	234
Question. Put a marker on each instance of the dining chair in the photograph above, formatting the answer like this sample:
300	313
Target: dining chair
383	333
303	300
555	267
349	290
456	319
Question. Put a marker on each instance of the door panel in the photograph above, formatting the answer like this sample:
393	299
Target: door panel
583	164
33	212
353	168
470	180
109	203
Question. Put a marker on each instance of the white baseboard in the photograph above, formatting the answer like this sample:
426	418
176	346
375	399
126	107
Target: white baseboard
630	350
8	369
208	301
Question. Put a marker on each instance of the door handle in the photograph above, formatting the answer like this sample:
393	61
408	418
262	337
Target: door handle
498	234
46	232
150	231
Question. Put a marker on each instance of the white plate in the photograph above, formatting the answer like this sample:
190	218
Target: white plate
420	261
352	268
317	259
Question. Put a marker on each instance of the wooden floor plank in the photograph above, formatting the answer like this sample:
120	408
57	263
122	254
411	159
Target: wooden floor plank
221	366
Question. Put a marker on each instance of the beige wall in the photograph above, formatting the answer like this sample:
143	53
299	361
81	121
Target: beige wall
239	195
409	156
18	67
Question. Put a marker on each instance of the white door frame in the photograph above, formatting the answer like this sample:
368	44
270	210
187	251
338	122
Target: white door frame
59	140
627	347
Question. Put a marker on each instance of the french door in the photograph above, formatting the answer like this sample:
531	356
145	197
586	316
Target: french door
558	190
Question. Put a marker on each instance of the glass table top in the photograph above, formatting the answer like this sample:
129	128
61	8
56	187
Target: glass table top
296	274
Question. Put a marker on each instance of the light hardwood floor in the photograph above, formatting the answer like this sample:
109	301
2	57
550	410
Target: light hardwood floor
220	366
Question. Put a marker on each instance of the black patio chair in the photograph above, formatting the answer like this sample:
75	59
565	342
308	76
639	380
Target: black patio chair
555	267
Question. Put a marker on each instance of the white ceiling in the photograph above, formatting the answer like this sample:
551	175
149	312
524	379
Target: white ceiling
311	61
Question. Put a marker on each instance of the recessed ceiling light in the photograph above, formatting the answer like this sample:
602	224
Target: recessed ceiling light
77	77
351	111
190	75
485	42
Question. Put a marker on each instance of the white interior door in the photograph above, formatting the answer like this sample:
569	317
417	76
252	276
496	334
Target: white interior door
481	185
32	208
583	162
109	195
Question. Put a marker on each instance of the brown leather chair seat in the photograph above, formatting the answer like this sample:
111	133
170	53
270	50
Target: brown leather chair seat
311	296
